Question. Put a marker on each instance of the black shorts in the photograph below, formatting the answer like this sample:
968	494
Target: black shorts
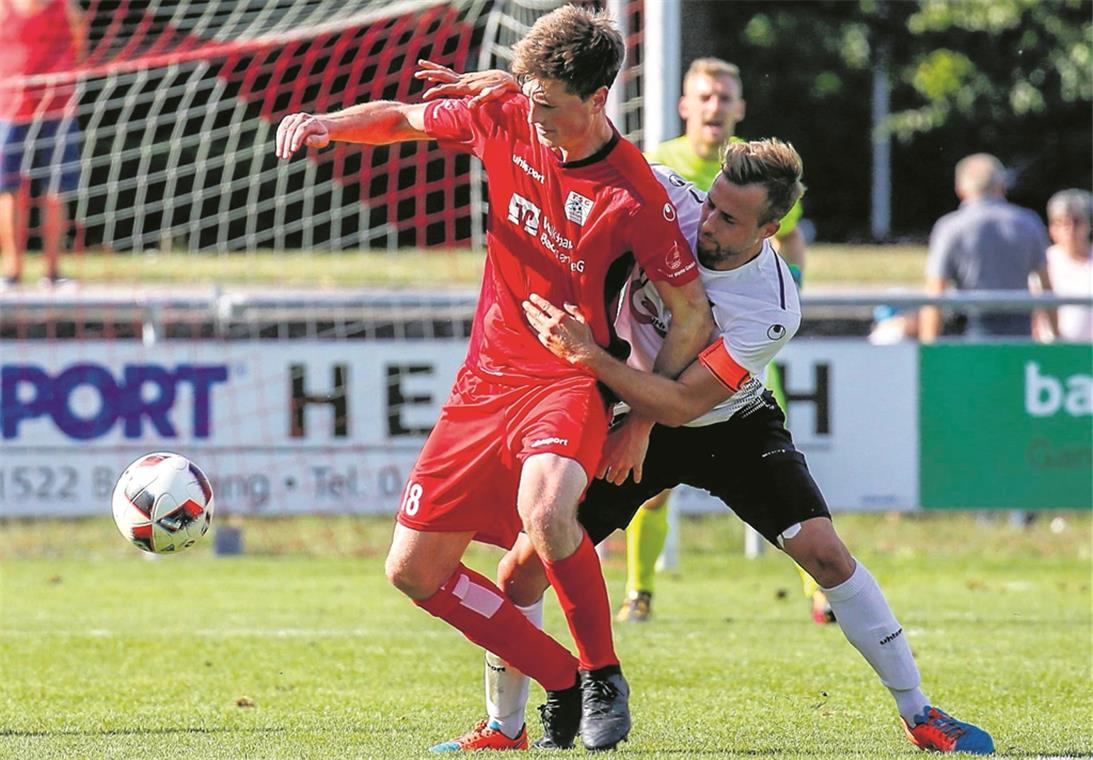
748	461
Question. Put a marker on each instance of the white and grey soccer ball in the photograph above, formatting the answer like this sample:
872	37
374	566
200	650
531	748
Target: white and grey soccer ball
163	503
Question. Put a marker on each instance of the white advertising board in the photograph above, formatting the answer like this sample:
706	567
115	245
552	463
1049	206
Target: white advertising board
320	426
853	411
279	426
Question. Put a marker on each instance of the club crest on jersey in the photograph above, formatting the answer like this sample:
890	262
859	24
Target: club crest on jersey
577	208
776	332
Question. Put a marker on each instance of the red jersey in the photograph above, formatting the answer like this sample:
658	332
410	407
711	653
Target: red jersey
567	231
37	43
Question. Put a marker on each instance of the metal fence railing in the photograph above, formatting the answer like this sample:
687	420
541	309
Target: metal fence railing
155	314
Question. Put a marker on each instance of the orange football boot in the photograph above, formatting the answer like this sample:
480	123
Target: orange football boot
483	736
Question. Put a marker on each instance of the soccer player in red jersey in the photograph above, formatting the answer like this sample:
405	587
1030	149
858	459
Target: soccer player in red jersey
572	205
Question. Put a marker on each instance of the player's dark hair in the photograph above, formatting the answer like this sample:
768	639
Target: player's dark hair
771	163
572	45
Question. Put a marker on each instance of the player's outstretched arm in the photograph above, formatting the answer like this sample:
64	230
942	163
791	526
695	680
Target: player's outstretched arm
480	86
379	123
667	401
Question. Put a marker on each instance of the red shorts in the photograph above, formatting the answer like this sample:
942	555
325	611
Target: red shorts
468	472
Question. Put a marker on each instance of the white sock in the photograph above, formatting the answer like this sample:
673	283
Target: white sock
507	687
868	623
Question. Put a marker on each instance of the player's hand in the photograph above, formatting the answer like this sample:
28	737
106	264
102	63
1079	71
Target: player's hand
483	86
565	333
299	129
624	452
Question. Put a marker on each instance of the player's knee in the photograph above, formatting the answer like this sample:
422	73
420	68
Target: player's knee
414	581
395	572
522	579
541	518
831	572
820	551
831	562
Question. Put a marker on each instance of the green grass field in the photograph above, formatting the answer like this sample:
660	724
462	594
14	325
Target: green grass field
828	265
299	648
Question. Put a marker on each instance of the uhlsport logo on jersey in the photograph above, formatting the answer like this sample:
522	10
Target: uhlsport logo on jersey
529	170
86	400
551	441
577	208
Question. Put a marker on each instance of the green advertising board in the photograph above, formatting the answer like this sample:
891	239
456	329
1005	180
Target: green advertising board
1007	425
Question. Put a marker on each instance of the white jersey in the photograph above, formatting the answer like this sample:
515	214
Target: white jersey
755	306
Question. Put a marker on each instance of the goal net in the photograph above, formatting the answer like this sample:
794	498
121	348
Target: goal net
176	105
233	307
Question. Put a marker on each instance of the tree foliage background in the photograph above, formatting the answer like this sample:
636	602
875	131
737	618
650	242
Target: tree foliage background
1008	77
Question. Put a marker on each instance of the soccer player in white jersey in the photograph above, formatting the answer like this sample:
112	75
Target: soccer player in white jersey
722	431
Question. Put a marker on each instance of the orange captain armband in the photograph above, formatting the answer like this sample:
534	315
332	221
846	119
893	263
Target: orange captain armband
717	360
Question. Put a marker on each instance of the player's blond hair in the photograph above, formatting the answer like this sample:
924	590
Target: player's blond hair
715	68
572	45
771	163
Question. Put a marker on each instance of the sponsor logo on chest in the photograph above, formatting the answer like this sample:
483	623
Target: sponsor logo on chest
530	218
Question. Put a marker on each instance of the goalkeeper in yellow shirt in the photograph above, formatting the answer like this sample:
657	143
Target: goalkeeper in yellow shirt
711	106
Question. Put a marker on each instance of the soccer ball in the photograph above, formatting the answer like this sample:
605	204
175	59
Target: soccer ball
163	503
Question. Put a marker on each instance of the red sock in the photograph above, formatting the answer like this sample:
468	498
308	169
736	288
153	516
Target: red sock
471	603
578	582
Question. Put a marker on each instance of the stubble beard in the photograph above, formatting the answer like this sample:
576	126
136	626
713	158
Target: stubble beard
710	256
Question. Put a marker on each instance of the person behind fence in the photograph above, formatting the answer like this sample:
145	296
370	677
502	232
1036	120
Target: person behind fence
986	244
38	129
1069	215
520	436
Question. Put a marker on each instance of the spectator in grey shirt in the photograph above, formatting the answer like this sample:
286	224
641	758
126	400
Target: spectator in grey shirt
986	244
